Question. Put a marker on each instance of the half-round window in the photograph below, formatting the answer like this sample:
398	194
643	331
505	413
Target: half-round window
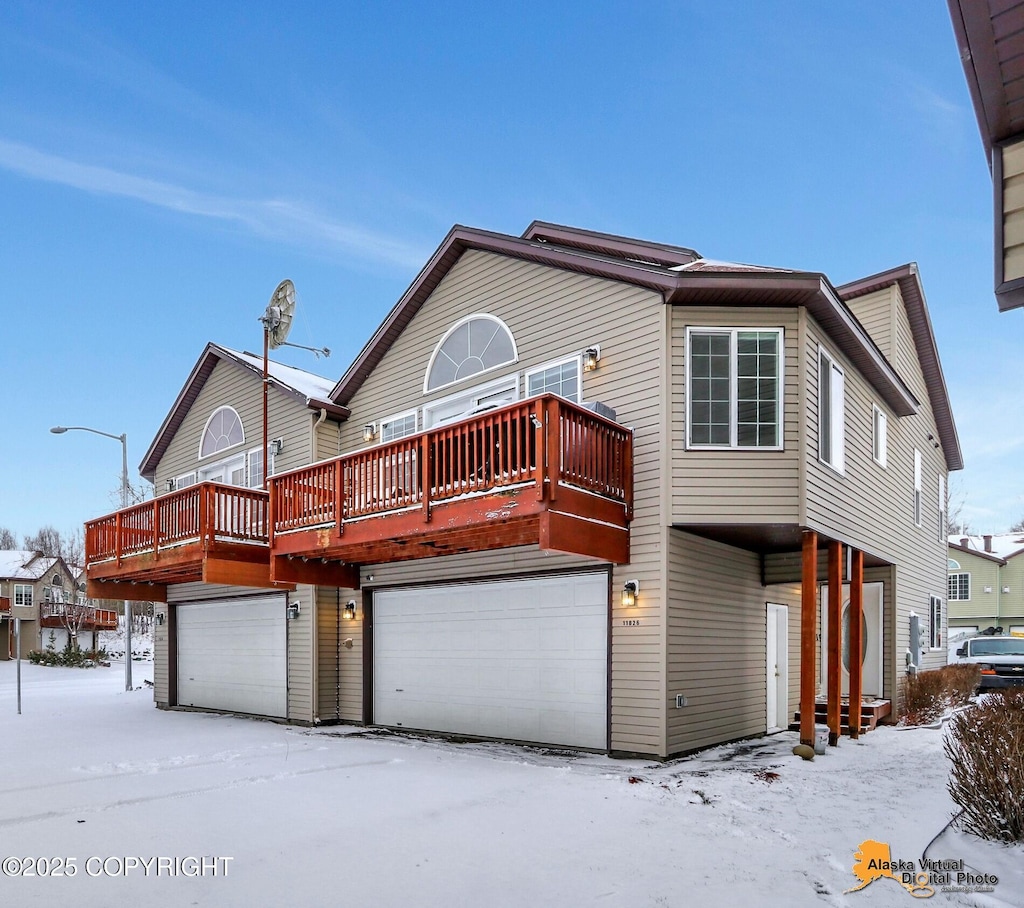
58	580
223	430
953	565
473	345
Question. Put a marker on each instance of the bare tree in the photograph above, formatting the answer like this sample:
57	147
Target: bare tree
8	541
1018	527
50	541
956	523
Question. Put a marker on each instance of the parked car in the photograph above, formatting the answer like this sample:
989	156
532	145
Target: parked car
1001	660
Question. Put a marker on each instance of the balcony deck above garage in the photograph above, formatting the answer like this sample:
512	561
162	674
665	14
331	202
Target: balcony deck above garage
541	471
206	532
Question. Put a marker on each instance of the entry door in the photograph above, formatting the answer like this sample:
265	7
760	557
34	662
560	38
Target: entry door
871	639
777	681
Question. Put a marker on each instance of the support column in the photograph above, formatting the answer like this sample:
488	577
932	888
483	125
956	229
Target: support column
834	689
856	638
808	635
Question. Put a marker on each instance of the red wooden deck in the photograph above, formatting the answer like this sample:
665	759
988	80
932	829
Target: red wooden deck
52	614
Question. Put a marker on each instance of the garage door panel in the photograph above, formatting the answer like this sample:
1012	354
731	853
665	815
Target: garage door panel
232	655
523	659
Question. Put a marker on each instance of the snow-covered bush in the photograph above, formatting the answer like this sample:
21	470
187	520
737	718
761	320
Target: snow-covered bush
985	745
927	695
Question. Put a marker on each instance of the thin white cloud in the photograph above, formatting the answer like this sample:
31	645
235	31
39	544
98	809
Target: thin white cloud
272	218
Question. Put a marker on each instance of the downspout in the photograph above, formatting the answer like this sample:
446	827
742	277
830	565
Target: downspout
312	439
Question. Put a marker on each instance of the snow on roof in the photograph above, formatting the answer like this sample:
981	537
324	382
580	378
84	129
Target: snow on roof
1003	544
313	387
716	265
24	565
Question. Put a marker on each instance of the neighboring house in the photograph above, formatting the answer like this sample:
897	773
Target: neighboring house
988	35
592	491
986	583
42	588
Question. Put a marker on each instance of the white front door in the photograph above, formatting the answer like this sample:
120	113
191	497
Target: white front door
523	659
871	639
777	652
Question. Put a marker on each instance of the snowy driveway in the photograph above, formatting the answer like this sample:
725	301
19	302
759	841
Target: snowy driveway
331	817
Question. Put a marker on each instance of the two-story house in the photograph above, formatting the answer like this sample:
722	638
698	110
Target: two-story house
40	589
986	583
577	489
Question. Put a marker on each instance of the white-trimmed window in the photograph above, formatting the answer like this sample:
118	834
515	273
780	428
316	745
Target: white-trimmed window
831	411
935	623
223	430
22	594
942	507
879	436
561	378
959	587
184	481
734	388
254	463
917	487
474	344
398	426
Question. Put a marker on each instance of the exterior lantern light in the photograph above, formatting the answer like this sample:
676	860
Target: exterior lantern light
369	432
591	357
629	590
350	610
292	612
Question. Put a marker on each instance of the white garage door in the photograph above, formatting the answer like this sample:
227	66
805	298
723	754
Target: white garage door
520	659
232	655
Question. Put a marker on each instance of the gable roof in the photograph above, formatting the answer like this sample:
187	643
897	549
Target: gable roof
20	564
1004	545
308	389
909	281
682	277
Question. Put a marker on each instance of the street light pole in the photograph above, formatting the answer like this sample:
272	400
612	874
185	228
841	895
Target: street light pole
123	438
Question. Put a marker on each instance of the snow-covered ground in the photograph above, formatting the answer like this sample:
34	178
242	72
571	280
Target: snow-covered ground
342	816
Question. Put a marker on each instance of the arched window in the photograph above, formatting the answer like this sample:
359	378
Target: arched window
953	565
58	580
223	430
475	344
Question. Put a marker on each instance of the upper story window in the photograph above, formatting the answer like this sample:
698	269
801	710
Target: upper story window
879	436
831	411
398	426
734	387
57	580
473	345
561	378
917	487
959	587
935	623
223	430
22	594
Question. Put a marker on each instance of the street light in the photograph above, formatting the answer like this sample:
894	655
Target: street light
123	438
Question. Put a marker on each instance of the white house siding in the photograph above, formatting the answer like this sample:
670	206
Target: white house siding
739	486
716	642
554	313
233	386
872	508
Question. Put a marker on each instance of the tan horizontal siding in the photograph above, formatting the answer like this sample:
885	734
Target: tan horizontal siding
1013	212
340	668
877	313
301	650
738	486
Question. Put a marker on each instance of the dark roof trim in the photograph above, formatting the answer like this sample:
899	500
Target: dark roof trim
609	244
211	355
991	556
909	281
678	287
976	42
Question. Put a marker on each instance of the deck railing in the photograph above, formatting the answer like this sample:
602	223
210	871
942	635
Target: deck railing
545	440
205	512
82	615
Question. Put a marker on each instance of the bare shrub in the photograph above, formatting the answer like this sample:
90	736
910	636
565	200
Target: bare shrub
927	695
985	745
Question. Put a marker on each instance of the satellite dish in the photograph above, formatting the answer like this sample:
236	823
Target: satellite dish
277	320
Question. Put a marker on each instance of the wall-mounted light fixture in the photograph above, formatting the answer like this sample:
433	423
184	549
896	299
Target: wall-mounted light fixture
349	612
170	485
629	590
369	431
277	446
292	611
160	618
591	357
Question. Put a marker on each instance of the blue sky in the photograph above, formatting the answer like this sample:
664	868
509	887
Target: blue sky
163	167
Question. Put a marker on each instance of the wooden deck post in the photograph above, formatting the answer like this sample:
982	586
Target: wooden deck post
856	638
808	633
834	690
